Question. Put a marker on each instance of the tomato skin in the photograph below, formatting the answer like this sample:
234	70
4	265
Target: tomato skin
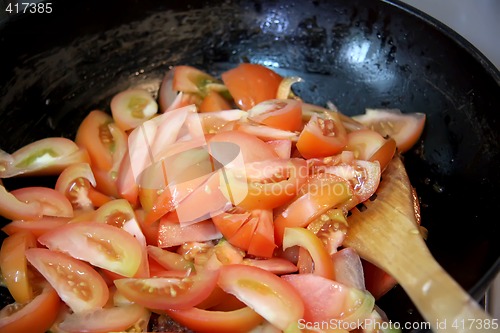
88	292
206	321
259	289
214	102
378	282
35	317
322	137
169	292
284	114
172	233
113	319
13	265
37	228
100	244
131	107
274	265
53	203
369	145
323	265
404	128
14	209
250	84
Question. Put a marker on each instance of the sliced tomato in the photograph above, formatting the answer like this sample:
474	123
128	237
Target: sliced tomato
366	144
13	265
131	107
53	203
264	132
274	265
14	209
284	114
126	184
266	293
323	265
267	184
250	84
172	233
37	227
322	136
47	156
283	148
111	319
169	260
404	128
94	135
77	283
100	244
189	79
251	148
206	321
326	300
364	176
377	281
150	231
251	231
35	317
220	121
77	183
320	193
214	101
169	292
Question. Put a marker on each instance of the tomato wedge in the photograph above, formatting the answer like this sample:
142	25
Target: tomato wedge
320	193
188	79
47	156
323	265
169	292
113	319
266	293
250	84
35	317
371	146
214	101
285	114
322	136
14	209
131	107
206	321
13	265
77	283
100	244
53	203
37	227
404	128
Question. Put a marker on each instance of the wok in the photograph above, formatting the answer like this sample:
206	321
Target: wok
57	67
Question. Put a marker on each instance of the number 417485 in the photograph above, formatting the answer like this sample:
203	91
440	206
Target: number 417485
29	7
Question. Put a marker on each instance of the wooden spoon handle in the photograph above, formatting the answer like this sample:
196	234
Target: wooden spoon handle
440	299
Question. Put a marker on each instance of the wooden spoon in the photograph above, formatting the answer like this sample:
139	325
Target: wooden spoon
387	235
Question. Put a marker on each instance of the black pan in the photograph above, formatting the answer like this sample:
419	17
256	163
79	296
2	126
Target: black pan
56	67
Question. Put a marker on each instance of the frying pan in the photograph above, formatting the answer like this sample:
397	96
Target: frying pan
57	67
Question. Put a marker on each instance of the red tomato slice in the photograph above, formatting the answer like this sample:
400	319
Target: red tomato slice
169	260
113	319
214	101
206	321
171	233
323	265
13	265
189	79
14	209
274	265
284	114
320	193
266	293
322	136
77	283
269	184
131	107
37	228
326	300
100	244
35	317
251	148
364	176
95	136
126	185
283	148
264	132
250	84
47	156
53	203
378	282
169	292
77	183
404	128
369	145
